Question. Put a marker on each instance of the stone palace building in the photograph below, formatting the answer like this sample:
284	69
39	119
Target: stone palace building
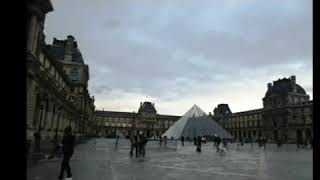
110	123
57	81
287	114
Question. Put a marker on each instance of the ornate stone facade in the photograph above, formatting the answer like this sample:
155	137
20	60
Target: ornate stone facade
287	114
50	96
108	123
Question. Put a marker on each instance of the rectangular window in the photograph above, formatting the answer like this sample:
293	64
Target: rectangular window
74	75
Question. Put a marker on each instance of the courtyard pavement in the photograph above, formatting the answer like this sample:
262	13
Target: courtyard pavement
98	159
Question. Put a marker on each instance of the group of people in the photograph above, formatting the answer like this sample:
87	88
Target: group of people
221	144
138	143
165	139
304	144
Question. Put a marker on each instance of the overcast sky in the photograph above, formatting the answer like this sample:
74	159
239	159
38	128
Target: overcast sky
185	52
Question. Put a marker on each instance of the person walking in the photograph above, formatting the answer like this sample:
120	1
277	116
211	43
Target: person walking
28	146
160	141
215	140
165	141
218	140
138	144
37	142
198	144
143	144
265	143
241	141
133	144
225	143
117	142
68	143
299	142
182	141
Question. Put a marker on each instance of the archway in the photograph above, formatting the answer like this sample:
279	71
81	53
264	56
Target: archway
299	135
275	135
308	133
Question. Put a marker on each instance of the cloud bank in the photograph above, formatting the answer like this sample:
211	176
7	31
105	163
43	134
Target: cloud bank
180	53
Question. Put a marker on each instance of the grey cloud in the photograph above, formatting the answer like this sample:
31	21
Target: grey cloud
172	49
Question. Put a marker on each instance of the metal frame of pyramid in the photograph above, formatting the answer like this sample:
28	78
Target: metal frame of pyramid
195	122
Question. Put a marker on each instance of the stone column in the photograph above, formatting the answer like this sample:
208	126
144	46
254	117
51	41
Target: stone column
32	33
60	131
31	107
56	118
304	136
63	122
46	118
40	120
52	120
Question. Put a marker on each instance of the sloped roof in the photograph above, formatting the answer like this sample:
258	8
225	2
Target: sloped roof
58	49
283	87
195	123
147	107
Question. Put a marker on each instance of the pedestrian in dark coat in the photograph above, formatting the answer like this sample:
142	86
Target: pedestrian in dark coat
160	141
218	141
182	141
133	141
28	146
165	140
143	145
199	144
37	138
68	143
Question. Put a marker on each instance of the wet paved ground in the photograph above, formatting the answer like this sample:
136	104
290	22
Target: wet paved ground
250	163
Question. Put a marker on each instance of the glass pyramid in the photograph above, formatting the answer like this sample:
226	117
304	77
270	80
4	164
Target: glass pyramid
196	123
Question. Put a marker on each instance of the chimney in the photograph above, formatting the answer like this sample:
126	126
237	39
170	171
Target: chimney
269	85
293	83
68	49
293	78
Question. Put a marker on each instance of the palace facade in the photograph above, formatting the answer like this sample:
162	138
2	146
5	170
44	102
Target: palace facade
110	123
57	79
287	114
